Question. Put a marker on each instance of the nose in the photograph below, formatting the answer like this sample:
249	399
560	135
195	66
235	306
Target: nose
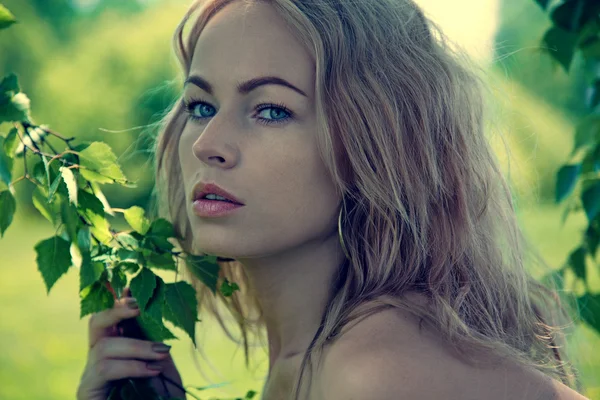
214	148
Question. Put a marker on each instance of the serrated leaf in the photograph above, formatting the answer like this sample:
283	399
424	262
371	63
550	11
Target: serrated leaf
53	188
204	268
70	219
11	142
162	227
71	183
136	219
577	262
99	164
143	286
84	240
89	203
587	132
151	320
97	298
589	310
161	243
8	206
118	281
98	193
6	17
128	240
50	211
53	259
125	254
14	108
560	45
6	164
90	272
129	267
566	178
181	307
591	201
10	83
161	261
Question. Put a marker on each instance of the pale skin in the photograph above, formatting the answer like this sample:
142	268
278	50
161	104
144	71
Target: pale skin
285	235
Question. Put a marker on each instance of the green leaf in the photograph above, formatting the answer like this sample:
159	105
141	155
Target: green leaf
71	183
162	227
99	164
89	203
589	310
181	307
561	45
10	83
118	281
591	200
53	259
204	268
227	288
136	219
6	163
14	108
591	50
162	261
573	15
84	240
130	267
90	273
142	287
543	3
250	394
566	179
50	211
11	142
592	239
587	132
8	206
151	320
6	18
70	219
98	298
577	262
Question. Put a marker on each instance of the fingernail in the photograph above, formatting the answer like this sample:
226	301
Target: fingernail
132	303
161	348
154	366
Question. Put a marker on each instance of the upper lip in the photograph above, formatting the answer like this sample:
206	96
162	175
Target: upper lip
201	189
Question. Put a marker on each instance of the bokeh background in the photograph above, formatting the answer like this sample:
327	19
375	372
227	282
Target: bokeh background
104	70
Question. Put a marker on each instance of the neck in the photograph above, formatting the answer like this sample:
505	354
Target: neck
292	289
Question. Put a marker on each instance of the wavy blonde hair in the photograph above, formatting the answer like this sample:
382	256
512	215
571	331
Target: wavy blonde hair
401	132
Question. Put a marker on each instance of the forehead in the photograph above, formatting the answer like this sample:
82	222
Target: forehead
241	42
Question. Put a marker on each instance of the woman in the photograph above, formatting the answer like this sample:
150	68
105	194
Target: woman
367	224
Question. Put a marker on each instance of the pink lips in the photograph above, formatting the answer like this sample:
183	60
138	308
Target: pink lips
214	208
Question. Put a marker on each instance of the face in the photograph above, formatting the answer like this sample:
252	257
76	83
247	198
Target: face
260	145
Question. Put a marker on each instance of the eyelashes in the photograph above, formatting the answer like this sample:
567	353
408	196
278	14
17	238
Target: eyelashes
190	106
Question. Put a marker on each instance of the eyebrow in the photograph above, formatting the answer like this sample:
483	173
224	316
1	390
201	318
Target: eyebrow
247	86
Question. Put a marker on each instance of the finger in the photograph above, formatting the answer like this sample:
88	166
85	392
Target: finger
110	370
128	348
102	324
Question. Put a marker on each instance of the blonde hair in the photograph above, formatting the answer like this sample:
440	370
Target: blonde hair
402	134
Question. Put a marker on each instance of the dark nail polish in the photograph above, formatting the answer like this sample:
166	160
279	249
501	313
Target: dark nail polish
132	303
154	366
161	348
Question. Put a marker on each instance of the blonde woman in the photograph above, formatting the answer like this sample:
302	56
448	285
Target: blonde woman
363	213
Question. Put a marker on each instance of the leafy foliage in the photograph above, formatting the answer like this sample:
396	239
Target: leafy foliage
67	194
575	34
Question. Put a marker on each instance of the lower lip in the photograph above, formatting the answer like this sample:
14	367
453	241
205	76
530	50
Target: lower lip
214	208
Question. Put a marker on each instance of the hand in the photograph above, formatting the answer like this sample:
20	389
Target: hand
112	357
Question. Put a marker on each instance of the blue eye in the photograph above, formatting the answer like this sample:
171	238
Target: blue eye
278	113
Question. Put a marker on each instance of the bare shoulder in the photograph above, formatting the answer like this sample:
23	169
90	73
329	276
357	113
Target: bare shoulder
387	356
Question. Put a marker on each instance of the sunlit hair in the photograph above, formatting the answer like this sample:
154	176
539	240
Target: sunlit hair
400	118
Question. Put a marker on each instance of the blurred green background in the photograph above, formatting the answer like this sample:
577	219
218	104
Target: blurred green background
104	70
